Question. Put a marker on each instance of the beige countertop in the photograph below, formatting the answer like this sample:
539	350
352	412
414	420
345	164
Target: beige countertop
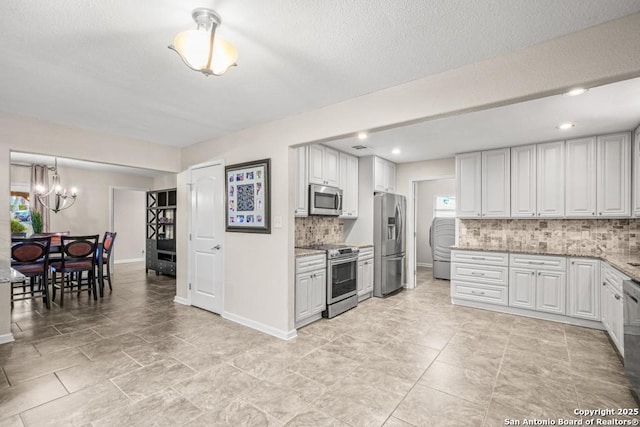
300	252
9	275
618	260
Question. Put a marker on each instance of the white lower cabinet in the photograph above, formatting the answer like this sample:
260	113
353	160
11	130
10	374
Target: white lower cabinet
311	288
480	276
583	291
365	274
542	288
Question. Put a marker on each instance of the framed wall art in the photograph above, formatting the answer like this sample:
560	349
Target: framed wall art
249	197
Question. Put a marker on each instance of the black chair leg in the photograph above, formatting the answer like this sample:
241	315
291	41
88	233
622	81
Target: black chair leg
53	285
109	275
92	283
45	290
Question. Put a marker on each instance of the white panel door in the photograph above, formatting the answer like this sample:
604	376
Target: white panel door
378	174
304	289
581	177
352	185
390	177
496	183
522	288
302	182
584	288
318	301
468	185
636	173
368	275
550	179
316	164
523	181
551	291
617	321
614	175
331	167
207	232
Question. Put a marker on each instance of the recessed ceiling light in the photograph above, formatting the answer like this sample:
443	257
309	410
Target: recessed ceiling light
565	126
395	151
576	91
362	135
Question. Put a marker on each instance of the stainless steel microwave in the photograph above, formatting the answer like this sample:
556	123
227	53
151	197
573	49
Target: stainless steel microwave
324	200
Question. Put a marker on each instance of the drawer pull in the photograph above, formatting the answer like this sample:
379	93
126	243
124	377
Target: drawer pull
477	293
475	273
618	297
536	262
480	258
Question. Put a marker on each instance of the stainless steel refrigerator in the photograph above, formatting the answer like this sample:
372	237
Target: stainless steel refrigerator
389	243
442	235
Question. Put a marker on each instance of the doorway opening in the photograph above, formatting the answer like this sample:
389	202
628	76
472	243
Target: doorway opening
432	198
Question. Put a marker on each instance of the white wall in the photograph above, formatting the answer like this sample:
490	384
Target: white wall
90	213
129	221
165	182
425	192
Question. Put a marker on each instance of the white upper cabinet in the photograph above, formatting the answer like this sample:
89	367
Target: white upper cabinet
469	185
581	177
550	179
496	188
584	288
323	165
614	175
349	185
636	173
302	182
384	173
523	181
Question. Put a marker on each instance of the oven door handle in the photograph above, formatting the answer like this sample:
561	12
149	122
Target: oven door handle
337	261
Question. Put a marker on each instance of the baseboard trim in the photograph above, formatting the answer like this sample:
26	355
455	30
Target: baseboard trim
283	335
424	264
530	313
128	261
181	300
5	338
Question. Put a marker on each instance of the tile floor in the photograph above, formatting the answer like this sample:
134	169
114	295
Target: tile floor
136	358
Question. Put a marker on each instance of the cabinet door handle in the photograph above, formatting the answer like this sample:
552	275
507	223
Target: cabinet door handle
593	213
600	213
538	273
618	297
533	214
573	262
478	214
533	273
604	283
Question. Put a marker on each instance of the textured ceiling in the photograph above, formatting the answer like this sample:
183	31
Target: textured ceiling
105	66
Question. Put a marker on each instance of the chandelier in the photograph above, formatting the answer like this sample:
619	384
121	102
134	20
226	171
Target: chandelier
62	198
201	50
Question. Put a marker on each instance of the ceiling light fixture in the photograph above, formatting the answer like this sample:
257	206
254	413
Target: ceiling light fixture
565	126
201	50
362	135
62	200
576	91
395	151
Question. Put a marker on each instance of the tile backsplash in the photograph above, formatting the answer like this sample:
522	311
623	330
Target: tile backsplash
315	230
580	236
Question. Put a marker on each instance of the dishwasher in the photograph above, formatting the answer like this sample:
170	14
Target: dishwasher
632	333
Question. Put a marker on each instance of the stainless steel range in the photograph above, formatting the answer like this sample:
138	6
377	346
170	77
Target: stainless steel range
342	278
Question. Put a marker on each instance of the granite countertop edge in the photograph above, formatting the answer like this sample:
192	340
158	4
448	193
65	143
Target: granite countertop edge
9	275
301	252
618	260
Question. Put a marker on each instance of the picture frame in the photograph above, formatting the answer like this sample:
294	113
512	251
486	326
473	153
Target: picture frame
248	197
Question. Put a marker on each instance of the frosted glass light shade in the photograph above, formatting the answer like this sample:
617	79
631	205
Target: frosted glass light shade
194	47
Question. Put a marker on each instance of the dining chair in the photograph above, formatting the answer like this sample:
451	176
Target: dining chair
104	256
30	256
78	256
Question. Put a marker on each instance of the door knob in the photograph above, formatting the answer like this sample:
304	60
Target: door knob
217	247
